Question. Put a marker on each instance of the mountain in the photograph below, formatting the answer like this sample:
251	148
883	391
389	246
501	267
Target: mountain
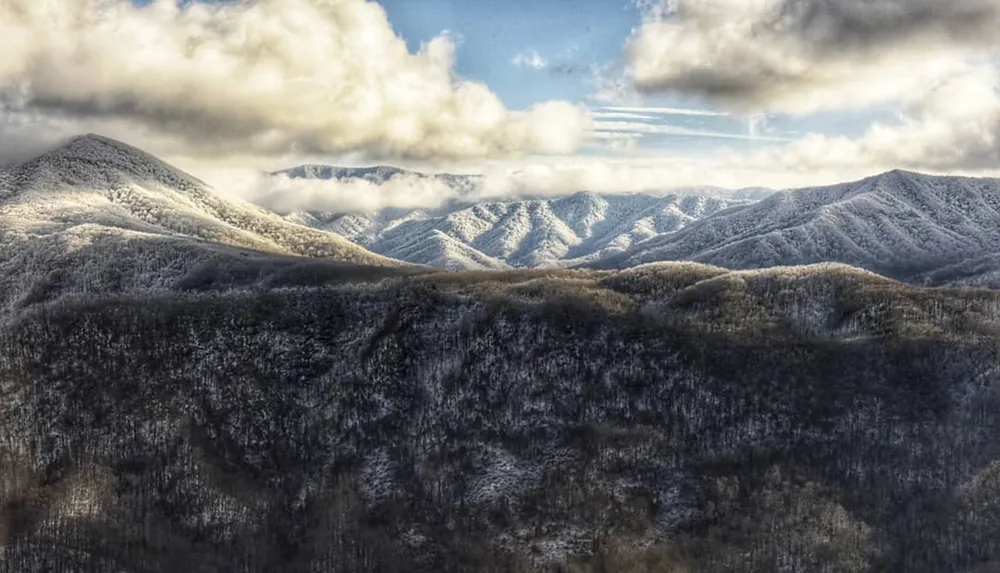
671	417
181	390
84	215
906	225
520	233
464	185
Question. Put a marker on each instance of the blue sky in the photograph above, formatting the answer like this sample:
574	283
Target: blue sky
579	41
572	36
575	44
575	39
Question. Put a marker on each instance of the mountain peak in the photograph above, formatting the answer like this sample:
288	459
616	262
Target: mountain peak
98	161
92	145
582	196
95	147
897	175
94	139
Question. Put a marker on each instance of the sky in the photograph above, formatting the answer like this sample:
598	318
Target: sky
548	96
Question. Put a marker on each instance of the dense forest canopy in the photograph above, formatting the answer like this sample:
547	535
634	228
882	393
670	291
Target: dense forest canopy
673	417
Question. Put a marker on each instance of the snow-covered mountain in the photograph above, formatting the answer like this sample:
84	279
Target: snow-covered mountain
463	185
179	410
520	233
906	225
88	209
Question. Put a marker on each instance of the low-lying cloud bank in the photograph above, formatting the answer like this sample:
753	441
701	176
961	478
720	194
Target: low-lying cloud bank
553	178
261	76
285	194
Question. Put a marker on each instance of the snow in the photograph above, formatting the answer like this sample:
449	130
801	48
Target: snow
905	225
500	234
96	204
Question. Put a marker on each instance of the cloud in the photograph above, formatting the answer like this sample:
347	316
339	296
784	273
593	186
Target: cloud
807	55
667	111
268	76
284	194
618	141
951	127
501	180
661	129
934	135
621	115
507	180
612	85
530	59
757	123
955	125
656	175
937	137
634	121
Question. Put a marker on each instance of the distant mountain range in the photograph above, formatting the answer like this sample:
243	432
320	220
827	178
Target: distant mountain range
529	233
919	228
378	174
192	383
97	194
513	233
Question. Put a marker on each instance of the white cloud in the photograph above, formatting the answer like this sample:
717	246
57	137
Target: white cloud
534	177
930	141
284	194
936	136
661	129
263	75
621	115
612	85
618	141
756	123
509	180
530	59
806	55
658	174
667	111
954	126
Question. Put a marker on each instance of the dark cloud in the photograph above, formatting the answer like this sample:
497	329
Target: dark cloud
858	25
802	54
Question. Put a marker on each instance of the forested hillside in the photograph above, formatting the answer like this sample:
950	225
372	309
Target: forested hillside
673	417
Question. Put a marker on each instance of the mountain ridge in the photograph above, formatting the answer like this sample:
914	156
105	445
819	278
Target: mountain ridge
97	195
517	233
899	223
173	403
645	420
93	161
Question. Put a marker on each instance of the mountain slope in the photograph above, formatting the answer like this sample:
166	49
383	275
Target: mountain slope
672	417
520	233
97	194
901	224
192	404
